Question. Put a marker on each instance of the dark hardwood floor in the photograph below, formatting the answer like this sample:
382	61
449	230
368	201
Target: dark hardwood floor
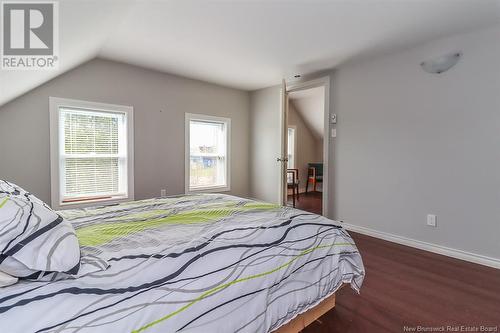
409	287
310	202
406	287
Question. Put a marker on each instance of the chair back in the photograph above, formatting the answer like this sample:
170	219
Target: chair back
318	167
292	176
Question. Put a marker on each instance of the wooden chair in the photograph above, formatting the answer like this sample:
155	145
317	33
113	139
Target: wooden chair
293	183
314	174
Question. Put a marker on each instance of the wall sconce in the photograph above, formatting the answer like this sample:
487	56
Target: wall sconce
441	64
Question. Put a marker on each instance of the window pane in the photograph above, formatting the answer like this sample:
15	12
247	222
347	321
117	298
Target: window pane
86	133
91	176
291	147
206	138
206	171
207	147
94	153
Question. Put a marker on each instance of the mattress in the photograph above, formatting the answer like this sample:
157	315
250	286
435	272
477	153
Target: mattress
196	263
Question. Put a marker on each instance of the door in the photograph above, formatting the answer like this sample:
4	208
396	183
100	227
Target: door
283	159
265	147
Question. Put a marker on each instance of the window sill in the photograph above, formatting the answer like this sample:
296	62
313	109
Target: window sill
93	202
209	189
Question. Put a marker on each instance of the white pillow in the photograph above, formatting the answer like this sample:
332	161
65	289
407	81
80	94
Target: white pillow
33	236
6	279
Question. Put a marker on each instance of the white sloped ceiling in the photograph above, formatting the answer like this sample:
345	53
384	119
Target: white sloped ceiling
246	44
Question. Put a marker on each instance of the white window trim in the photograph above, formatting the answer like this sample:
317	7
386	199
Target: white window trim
294	144
202	117
55	103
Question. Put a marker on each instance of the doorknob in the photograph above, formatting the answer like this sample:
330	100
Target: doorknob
279	159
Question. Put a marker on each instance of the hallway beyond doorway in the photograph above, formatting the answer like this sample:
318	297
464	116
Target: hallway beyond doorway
310	202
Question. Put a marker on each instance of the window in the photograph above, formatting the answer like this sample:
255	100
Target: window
207	153
291	147
91	152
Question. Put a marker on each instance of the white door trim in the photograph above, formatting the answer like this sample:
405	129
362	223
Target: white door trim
320	82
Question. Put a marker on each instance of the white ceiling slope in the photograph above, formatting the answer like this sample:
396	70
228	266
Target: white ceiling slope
83	27
247	44
310	104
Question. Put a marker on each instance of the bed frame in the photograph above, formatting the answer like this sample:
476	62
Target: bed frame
303	320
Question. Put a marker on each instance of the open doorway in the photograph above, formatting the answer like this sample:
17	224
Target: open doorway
306	152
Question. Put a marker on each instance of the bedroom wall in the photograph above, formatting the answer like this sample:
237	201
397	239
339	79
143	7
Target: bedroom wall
410	144
160	102
265	144
307	146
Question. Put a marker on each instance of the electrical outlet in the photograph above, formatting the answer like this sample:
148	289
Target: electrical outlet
163	193
432	220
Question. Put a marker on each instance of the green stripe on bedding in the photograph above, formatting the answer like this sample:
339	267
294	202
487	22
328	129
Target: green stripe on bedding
243	279
95	235
4	202
99	234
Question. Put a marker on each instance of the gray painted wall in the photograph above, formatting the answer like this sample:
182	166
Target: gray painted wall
410	143
265	144
160	102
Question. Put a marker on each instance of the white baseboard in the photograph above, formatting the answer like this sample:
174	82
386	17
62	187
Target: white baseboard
454	253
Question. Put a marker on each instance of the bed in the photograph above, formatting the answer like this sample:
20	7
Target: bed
195	263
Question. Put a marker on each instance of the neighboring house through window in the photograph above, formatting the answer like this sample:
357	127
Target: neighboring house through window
207	153
91	153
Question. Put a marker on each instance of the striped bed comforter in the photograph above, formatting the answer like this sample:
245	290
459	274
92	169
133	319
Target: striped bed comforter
199	263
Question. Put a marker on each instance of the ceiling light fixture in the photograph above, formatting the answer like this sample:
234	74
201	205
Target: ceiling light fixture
441	64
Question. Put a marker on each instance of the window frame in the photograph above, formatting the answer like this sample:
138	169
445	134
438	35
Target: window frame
55	104
294	166
187	153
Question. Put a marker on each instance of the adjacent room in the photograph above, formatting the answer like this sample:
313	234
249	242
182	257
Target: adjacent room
244	166
305	128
